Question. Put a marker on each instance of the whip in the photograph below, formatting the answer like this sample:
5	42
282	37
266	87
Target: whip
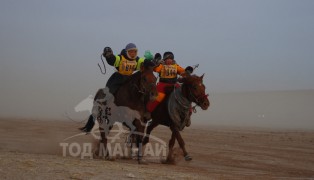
103	65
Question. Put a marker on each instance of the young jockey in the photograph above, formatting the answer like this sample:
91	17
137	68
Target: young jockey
168	71
126	63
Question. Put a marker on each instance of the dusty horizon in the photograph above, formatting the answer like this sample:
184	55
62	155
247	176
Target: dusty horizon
291	109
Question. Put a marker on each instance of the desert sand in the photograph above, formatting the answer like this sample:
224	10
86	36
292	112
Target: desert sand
30	149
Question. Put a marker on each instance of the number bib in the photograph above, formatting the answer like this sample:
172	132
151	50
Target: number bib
127	67
168	71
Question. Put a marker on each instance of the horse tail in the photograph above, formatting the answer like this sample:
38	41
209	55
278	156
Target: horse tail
89	125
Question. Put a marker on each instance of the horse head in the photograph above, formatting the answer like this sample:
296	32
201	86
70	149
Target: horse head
194	90
148	80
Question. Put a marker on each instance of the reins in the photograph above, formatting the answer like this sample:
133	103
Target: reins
196	99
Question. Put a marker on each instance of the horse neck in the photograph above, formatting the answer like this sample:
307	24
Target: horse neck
180	95
185	92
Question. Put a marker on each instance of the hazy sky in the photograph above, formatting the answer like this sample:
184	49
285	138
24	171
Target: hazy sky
49	50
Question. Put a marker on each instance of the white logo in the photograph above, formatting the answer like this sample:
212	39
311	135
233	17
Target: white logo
106	114
85	105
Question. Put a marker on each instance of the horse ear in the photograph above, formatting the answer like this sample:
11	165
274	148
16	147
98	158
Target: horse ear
202	76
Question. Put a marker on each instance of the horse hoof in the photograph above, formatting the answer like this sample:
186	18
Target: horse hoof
142	161
109	158
188	158
168	161
145	140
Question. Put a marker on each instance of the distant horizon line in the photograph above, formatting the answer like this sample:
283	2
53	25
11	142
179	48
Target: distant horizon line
261	91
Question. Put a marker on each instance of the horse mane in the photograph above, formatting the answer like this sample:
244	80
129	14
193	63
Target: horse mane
137	75
191	78
169	90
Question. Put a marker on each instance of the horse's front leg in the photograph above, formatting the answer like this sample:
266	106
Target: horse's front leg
103	149
148	131
139	140
181	142
172	141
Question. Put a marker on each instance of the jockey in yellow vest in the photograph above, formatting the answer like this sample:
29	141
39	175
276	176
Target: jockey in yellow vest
125	63
168	71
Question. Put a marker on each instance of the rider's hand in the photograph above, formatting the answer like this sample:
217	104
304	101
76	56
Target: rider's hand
157	59
157	56
107	52
189	69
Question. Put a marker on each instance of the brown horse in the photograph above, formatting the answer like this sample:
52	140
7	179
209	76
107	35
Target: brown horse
134	94
192	90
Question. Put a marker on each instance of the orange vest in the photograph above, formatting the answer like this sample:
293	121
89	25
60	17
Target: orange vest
169	71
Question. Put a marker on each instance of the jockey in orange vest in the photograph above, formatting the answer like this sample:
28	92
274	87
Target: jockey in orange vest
168	71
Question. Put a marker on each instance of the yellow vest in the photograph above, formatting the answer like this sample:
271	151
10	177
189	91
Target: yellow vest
126	67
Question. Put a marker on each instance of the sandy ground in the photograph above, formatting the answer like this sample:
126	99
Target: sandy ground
31	149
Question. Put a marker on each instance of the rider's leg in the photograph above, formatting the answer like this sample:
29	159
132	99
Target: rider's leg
153	104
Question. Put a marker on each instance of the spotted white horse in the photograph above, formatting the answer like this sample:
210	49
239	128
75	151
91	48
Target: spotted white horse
107	113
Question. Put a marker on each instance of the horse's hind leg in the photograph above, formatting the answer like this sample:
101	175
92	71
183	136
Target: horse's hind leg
103	150
182	146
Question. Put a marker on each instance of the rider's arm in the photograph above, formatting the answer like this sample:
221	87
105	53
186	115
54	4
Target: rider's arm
110	57
111	60
180	70
158	68
139	63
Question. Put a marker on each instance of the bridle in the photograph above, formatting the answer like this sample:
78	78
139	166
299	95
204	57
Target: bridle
195	99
